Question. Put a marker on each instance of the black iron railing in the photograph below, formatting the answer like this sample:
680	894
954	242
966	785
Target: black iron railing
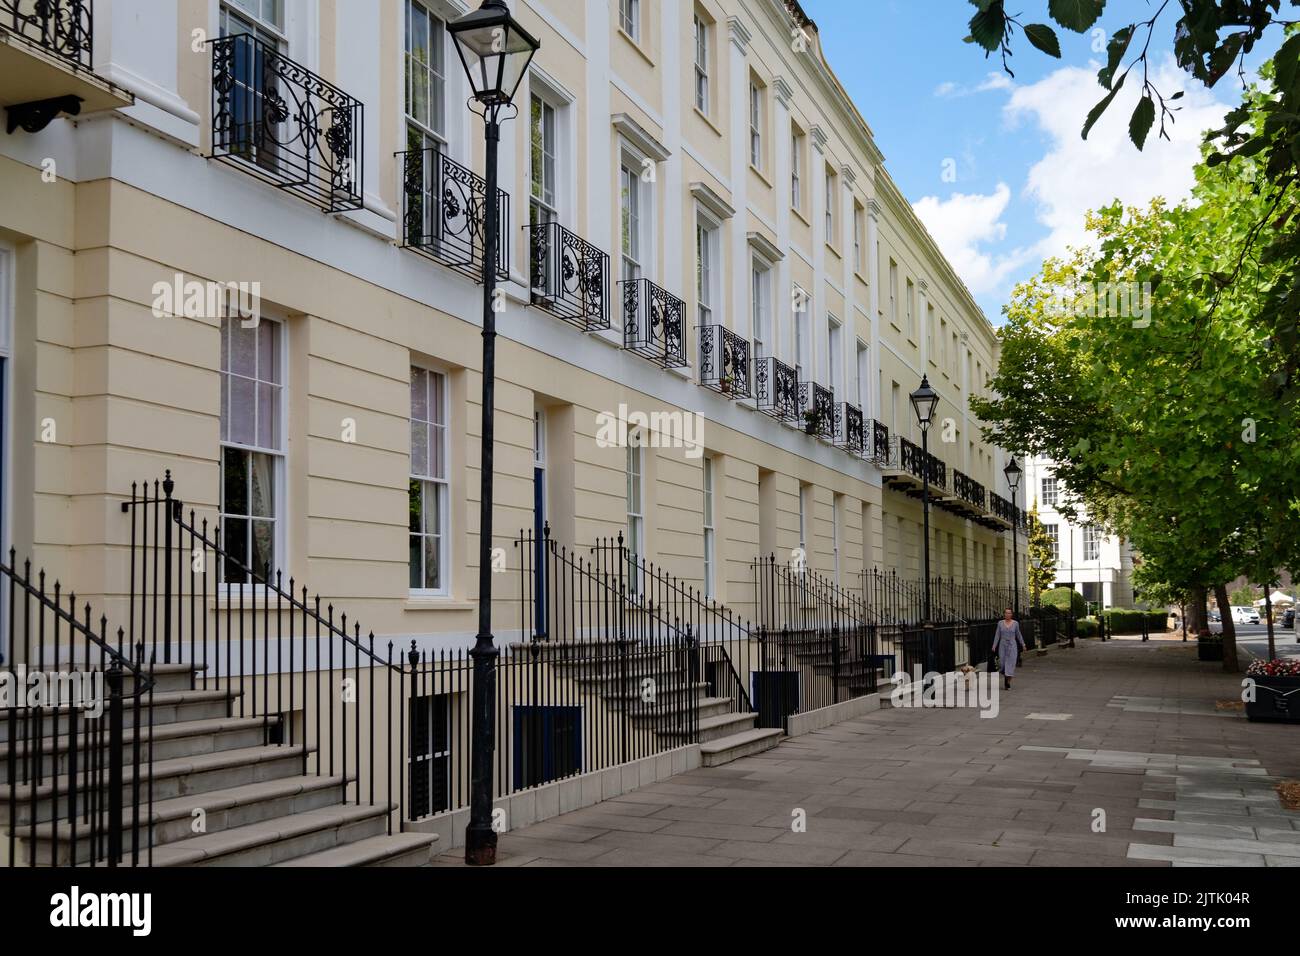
73	790
570	276
278	121
879	450
849	433
654	324
817	410
724	361
1003	509
62	27
969	490
776	389
444	207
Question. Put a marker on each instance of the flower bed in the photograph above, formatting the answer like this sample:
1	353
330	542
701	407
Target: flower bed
1277	691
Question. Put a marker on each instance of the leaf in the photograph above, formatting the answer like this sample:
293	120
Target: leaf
1115	51
1095	113
1076	15
1139	124
1044	38
988	26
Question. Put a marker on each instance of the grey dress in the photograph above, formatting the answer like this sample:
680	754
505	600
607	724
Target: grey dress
1004	645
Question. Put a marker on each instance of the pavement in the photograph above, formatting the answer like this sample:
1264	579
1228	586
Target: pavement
1116	754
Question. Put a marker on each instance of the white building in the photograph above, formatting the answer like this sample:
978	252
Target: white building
1099	566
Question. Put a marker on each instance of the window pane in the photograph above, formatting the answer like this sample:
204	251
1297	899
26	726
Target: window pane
262	485
432	566
268	415
416	575
243	348
419	394
415	507
268	351
419	448
234	481
242	424
263	548
437	409
234	535
437	452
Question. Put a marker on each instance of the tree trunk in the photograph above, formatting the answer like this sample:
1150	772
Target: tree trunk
1196	620
1230	664
1268	614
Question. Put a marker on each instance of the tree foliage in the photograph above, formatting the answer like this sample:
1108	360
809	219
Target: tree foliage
1170	427
1210	40
1042	557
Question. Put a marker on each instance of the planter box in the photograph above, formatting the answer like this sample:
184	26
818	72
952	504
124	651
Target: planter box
1276	699
1209	650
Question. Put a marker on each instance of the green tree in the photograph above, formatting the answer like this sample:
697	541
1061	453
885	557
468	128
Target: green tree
1210	40
1173	431
1242	597
1042	559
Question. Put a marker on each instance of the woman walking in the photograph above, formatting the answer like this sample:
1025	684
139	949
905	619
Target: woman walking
1008	642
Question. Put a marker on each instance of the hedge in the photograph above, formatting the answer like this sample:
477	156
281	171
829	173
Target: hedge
1063	599
1120	620
1085	627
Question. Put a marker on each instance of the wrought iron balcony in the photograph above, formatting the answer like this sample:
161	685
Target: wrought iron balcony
279	122
443	208
724	361
570	276
653	323
879	451
63	28
938	470
776	389
849	433
817	409
1003	510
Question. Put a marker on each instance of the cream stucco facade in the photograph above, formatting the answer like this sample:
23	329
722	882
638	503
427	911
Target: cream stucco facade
104	389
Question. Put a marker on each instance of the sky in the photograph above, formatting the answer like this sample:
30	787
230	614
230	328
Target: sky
994	165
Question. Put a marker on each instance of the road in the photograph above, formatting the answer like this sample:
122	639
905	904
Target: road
1254	638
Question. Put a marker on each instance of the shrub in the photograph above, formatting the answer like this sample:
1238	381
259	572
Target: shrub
1085	627
1065	600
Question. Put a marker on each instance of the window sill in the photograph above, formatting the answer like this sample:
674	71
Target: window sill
800	216
834	249
861	276
437	604
631	41
707	121
761	175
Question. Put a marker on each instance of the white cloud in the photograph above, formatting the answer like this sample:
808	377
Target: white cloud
993	81
1076	175
965	225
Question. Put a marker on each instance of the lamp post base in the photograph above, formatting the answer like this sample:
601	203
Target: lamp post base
480	846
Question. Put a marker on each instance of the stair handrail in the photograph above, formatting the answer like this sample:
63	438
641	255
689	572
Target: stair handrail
141	681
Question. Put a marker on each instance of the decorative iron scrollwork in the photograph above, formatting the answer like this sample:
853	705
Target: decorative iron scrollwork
570	277
284	124
444	208
654	323
724	361
64	28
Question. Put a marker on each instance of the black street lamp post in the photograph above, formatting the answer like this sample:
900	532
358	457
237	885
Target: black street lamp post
1012	471
495	52
924	401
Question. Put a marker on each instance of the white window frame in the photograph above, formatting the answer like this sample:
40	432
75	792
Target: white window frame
6	424
893	294
1050	491
1091	543
631	163
830	206
864	381
1053	532
796	170
708	273
803	522
701	65
835	356
635	500
857	237
802	337
548	206
278	456
757	110
760	307
629	18
710	556
443	484
431	136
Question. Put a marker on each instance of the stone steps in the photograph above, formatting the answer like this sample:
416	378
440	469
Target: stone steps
173	706
169	741
744	744
400	849
176	819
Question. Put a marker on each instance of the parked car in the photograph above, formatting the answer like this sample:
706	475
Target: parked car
1288	617
1244	615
